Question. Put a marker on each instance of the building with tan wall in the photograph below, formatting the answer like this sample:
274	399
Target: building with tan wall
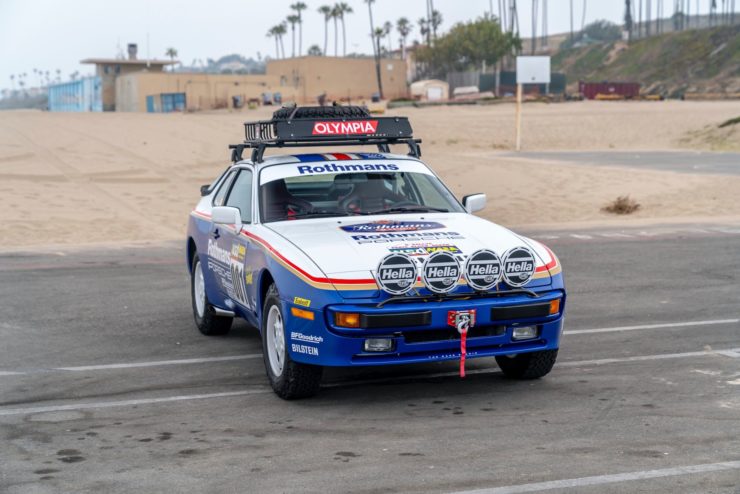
340	78
202	91
300	79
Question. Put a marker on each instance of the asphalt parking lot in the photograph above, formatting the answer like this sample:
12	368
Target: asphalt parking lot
106	386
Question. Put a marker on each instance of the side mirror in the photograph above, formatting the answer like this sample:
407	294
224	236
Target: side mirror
225	215
474	202
205	190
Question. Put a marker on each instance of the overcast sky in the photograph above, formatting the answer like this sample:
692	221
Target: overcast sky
56	34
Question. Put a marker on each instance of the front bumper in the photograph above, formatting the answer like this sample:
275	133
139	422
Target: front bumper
321	342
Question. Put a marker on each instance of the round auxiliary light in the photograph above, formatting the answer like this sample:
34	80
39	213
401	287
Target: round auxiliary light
396	274
519	264
440	272
483	269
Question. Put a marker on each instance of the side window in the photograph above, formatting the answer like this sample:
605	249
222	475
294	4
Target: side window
241	195
221	194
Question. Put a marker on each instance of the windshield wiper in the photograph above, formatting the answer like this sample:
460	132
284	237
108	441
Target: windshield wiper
409	209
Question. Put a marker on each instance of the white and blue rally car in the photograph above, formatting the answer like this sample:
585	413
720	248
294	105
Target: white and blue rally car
363	258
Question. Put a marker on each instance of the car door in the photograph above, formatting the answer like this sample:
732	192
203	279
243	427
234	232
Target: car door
237	283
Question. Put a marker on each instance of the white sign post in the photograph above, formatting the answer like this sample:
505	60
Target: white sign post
529	70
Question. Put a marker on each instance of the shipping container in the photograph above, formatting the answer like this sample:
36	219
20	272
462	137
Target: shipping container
615	90
82	95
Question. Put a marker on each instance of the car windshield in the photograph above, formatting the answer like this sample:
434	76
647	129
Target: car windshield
355	193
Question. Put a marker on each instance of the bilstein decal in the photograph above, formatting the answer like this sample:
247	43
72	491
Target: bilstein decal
392	226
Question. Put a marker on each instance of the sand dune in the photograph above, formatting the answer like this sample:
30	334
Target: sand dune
102	178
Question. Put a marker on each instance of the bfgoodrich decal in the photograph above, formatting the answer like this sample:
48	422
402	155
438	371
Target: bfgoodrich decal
392	226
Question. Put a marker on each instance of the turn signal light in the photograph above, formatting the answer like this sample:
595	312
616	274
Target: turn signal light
347	319
303	314
554	306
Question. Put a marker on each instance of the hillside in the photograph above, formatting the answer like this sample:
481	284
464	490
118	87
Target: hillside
704	61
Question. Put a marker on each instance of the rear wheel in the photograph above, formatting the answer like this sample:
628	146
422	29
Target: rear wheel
203	312
527	365
290	380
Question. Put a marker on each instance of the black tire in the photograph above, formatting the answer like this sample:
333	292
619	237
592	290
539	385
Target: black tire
528	365
209	323
320	112
296	380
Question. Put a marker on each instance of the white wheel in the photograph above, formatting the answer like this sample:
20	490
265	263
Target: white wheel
199	288
275	340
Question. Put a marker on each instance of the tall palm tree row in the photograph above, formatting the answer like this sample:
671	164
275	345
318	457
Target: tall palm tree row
376	46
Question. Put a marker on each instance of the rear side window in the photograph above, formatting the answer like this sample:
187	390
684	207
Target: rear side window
240	196
221	194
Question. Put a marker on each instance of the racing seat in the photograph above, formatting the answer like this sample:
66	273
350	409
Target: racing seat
371	195
279	203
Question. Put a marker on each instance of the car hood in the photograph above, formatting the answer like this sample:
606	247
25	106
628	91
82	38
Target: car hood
352	248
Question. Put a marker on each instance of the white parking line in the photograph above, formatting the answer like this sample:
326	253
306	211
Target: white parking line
157	363
609	479
124	403
728	353
653	326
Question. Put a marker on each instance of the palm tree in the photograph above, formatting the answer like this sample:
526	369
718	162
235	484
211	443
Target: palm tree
172	53
376	51
299	7
403	26
343	8
372	26
387	28
12	81
628	19
572	34
379	35
281	29
424	29
335	17
436	21
272	33
314	51
326	11
293	20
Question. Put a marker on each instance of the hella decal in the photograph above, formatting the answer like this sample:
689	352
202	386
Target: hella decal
483	270
441	272
392	226
396	274
333	167
345	128
519	265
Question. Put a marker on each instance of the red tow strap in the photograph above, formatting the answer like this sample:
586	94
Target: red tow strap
463	337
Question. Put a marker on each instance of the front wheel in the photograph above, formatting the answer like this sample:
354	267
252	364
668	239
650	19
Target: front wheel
527	365
203	312
290	380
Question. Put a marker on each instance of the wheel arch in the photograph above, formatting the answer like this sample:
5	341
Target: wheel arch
191	252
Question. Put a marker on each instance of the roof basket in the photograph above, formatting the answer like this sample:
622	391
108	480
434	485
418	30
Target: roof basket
325	126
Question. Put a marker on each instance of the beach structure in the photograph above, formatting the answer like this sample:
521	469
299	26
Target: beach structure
109	69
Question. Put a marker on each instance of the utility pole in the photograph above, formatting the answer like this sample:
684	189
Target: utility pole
545	41
571	21
534	26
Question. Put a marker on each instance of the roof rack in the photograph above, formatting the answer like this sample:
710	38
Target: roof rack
331	131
